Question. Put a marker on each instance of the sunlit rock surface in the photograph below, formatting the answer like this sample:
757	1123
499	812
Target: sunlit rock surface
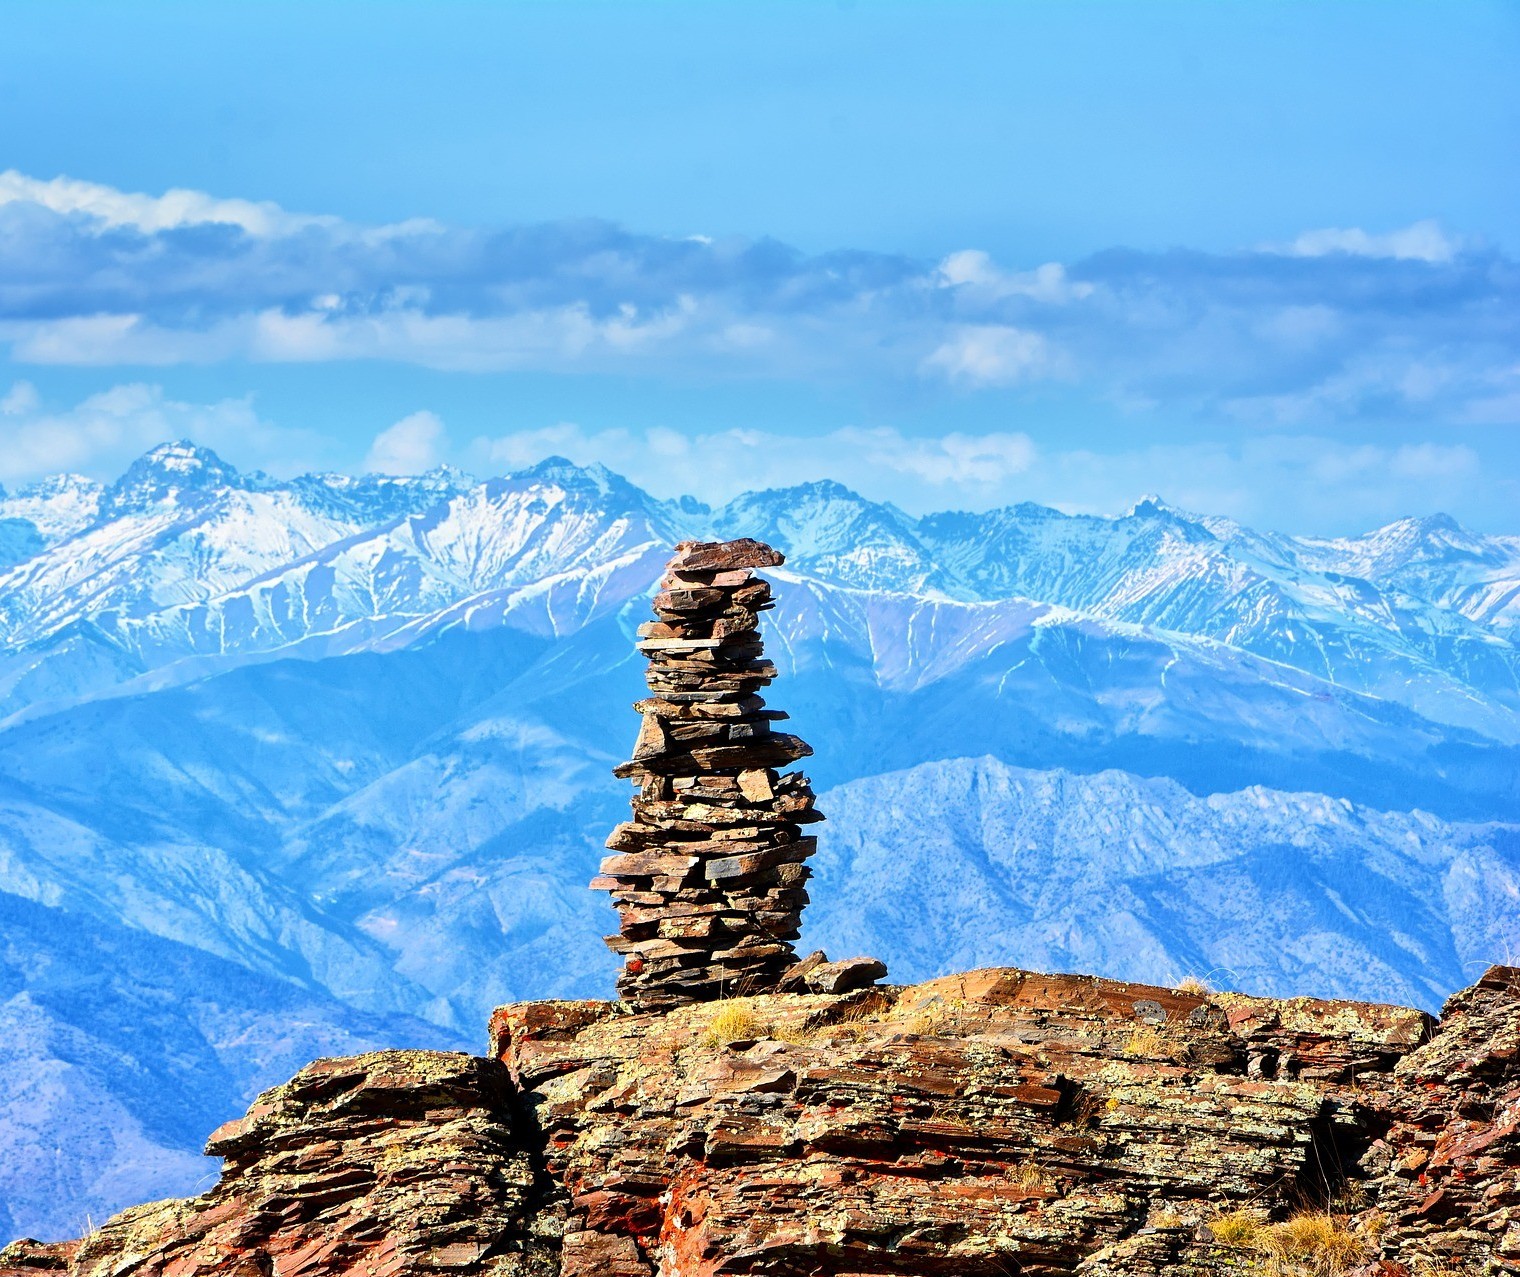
994	1122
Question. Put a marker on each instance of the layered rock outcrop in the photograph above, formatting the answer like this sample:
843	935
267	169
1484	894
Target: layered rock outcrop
388	1163
999	1122
739	1112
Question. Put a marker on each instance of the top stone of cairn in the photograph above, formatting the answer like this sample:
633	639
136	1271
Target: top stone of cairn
723	556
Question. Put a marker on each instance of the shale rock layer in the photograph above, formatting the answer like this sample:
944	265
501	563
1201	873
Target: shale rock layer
382	1164
999	1122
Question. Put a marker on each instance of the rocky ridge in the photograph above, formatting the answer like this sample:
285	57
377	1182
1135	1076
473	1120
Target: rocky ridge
995	1122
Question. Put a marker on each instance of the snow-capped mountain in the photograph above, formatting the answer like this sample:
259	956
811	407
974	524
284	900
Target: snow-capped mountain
1434	559
55	508
295	766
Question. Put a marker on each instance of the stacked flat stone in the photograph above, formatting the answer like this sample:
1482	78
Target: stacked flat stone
708	875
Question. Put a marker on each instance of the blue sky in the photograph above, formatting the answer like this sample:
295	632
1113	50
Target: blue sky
1260	258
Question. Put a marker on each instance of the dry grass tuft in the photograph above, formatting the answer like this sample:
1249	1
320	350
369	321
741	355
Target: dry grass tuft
732	1022
1030	1174
849	1024
927	1024
1239	1228
1314	1242
1146	1043
1310	1244
1194	985
794	1032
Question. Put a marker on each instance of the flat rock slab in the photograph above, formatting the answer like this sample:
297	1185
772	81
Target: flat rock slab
846	976
719	556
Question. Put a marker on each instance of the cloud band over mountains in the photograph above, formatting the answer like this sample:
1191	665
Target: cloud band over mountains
1337	325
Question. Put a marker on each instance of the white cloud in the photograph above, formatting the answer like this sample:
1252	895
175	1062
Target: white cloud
881	461
414	444
1452	384
1196	335
1300	327
1422	242
103	340
20	400
107	206
976	272
953	460
101	434
992	355
560	337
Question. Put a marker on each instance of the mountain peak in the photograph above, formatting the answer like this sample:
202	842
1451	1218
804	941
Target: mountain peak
1442	530
1192	527
184	456
1427	529
577	478
168	473
1153	505
445	475
820	490
1428	539
62	484
1441	522
560	469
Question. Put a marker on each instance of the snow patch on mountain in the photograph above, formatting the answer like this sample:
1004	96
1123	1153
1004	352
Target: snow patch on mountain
1437	560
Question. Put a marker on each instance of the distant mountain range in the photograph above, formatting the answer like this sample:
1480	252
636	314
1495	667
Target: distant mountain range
294	767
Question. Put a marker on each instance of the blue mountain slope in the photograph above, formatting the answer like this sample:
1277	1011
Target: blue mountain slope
970	862
121	1051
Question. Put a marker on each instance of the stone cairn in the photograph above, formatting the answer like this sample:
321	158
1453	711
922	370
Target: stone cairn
708	875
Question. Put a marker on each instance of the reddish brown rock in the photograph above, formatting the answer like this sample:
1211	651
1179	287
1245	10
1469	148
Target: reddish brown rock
1450	1155
397	1162
843	977
996	1122
991	1123
722	556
